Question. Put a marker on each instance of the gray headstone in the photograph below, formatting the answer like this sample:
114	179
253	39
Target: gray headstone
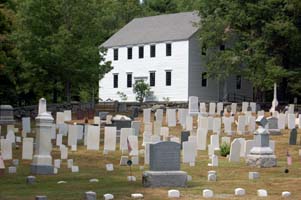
293	137
262	140
165	156
90	195
184	137
261	121
273	122
30	179
103	115
41	197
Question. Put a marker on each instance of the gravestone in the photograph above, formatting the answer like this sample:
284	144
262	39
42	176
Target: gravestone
293	137
241	126
203	122
261	155
6	149
59	139
201	139
27	149
188	152
281	121
189	123
60	118
93	137
164	166
184	137
217	123
233	108
193	107
244	107
136	126
171	117
159	115
26	125
203	109
6	115
110	139
227	121
146	115
124	133
273	126
72	135
157	127
219	107
212	108
164	132
182	113
235	151
291	122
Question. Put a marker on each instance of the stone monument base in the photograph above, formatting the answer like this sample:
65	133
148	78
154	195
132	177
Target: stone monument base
275	131
164	179
41	169
262	161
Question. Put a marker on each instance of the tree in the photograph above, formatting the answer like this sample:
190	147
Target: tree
141	89
58	44
262	40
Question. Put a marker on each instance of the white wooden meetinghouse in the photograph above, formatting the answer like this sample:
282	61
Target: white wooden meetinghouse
165	52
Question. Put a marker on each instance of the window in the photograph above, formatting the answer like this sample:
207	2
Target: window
130	53
129	80
115	80
153	51
204	49
222	47
115	54
204	79
141	52
168	78
168	49
152	78
238	82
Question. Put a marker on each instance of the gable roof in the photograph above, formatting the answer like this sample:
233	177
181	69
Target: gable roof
168	27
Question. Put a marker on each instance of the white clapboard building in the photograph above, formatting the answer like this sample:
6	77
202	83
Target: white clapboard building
165	52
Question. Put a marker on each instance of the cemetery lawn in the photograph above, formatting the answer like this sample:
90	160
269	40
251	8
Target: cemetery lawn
92	165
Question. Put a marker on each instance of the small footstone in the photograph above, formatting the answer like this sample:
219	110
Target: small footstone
30	180
211	177
262	193
15	162
74	169
240	192
108	196
286	194
12	170
137	196
93	180
41	197
109	167
253	175
189	178
123	160
70	163
57	163
90	195
207	193
55	170
131	178
173	194
135	160
61	182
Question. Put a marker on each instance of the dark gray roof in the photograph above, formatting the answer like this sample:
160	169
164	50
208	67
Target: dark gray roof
169	27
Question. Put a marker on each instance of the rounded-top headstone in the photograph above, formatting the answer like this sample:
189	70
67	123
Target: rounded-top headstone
262	193
90	195
173	194
108	196
41	197
30	179
240	192
207	193
286	194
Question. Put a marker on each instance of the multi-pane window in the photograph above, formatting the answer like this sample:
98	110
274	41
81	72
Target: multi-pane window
129	80
130	53
238	82
168	78
115	80
152	78
153	51
115	54
204	79
141	52
168	49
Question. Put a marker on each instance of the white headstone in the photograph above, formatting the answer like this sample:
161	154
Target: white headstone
188	152
249	144
210	123
217	123
252	124
6	149
214	141
26	125
164	132
203	108
242	146
72	135
193	107
159	115
281	121
171	117
260	113
235	151
227	121
182	113
244	107
189	123
212	108
96	120
146	115
67	115
241	126
64	152
10	136
157	127
59	139
291	122
201	139
203	122
124	133
60	118
110	138
27	149
219	107
233	108
93	137
253	107
148	127
133	142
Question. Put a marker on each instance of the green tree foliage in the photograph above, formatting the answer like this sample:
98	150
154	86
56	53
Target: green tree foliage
262	40
58	44
141	89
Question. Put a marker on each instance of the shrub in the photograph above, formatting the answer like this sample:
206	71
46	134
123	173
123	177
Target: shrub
225	149
141	89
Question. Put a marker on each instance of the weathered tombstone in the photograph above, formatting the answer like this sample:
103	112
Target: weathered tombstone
67	115
217	123
146	115
10	136
27	149
235	151
157	128
159	115
233	108
249	144
252	124
110	139
60	118
203	122
59	139
242	147
148	128
214	141
293	137
6	115
281	121
26	125
42	160
261	154
244	107
182	113
201	139
164	132
219	107
227	121
193	107
184	137
203	109
241	126
214	161
273	126
64	152
136	126
133	143
124	133
93	137
171	117
63	129
6	149
291	109
189	123
164	166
